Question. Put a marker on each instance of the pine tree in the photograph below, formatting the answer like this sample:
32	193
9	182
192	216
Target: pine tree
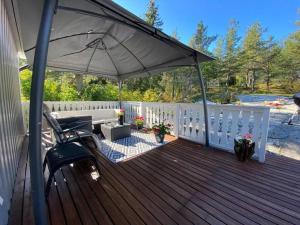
290	60
251	54
171	80
201	40
230	63
219	50
152	16
218	64
270	53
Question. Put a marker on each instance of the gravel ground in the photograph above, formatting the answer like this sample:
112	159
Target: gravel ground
283	139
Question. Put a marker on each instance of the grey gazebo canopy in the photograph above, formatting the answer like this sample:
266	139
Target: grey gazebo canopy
101	38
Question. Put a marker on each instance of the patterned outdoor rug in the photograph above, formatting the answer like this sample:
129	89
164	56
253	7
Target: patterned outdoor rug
129	147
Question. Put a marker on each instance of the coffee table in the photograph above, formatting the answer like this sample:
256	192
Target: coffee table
112	131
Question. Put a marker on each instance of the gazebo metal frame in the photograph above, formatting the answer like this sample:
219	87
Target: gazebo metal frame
36	98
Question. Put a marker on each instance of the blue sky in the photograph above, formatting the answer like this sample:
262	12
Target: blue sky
278	16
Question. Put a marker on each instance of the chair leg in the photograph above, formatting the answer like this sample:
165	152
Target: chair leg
96	165
48	185
44	165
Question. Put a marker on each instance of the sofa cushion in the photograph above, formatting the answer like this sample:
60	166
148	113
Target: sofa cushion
98	116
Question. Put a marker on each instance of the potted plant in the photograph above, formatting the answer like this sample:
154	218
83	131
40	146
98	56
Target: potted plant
139	122
121	113
244	147
160	131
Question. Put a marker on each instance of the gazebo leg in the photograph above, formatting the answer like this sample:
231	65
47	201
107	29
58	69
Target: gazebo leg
35	116
120	93
201	82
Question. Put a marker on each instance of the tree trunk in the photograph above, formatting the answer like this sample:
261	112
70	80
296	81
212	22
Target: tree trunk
268	82
79	82
268	71
187	88
227	82
247	79
253	81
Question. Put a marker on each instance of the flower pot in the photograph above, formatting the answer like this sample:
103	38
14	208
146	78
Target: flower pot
139	126
159	138
244	149
121	119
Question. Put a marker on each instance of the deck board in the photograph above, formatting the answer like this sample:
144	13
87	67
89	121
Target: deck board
179	183
16	211
244	182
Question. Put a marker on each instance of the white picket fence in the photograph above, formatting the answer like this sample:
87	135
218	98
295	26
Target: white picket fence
187	120
225	122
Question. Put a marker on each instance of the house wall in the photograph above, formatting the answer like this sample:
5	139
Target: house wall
11	121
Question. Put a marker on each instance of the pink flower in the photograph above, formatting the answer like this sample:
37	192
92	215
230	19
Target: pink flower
248	136
139	118
156	130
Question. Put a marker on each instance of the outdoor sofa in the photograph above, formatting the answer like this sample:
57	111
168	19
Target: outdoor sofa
97	116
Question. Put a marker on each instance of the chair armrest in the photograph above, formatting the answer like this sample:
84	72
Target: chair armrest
76	127
70	122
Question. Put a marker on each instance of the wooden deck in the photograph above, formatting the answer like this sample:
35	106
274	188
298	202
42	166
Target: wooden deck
179	183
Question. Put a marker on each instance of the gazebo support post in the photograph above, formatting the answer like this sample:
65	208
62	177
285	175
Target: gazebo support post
120	93
35	116
201	82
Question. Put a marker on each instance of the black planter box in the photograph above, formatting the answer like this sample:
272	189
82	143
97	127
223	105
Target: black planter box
121	119
244	149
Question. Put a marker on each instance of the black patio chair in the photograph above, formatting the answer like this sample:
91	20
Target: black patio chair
69	133
63	155
69	148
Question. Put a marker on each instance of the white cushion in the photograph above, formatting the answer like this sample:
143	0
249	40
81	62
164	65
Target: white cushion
105	121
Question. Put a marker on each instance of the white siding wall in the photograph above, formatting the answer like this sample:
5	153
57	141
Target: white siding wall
11	121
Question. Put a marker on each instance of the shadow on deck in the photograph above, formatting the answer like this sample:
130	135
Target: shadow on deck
179	183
